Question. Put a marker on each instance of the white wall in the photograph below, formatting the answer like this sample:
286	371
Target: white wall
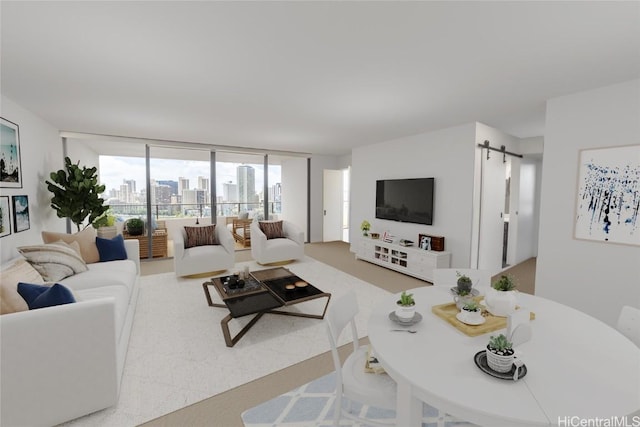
294	196
448	156
597	278
41	154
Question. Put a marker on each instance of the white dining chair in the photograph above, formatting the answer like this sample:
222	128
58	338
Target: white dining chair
352	382
449	277
629	323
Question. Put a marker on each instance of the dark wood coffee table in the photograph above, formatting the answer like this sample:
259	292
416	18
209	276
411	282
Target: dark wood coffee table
264	292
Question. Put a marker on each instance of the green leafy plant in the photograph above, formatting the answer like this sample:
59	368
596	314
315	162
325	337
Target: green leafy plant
135	226
471	305
500	345
365	227
107	219
406	299
76	193
504	283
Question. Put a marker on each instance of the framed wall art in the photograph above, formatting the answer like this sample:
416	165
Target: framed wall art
10	166
608	195
20	213
5	216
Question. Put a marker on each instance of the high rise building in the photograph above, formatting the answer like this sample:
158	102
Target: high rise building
203	183
131	183
229	192
160	194
246	184
183	184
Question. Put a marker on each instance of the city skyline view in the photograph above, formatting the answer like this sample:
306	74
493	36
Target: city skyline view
114	170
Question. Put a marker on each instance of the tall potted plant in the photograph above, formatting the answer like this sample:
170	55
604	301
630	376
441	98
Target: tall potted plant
76	193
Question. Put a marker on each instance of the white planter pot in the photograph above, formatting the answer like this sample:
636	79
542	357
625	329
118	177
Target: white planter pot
107	232
500	303
471	316
404	312
499	363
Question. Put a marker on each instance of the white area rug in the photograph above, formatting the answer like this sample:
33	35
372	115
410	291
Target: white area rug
177	354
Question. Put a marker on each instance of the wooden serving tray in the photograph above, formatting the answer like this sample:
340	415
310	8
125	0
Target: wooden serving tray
449	310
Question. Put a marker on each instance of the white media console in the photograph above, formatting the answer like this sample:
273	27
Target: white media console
409	260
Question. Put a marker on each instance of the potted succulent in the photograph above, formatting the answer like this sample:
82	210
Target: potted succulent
500	354
105	225
501	297
365	227
406	306
135	227
464	284
462	293
471	312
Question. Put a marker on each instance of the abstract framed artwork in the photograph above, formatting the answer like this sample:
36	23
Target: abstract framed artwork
608	196
5	216
10	166
20	213
424	242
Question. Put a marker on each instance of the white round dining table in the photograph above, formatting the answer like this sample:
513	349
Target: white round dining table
578	368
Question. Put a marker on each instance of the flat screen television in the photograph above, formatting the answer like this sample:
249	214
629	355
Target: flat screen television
405	200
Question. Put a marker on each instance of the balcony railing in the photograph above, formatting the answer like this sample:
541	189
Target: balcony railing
183	210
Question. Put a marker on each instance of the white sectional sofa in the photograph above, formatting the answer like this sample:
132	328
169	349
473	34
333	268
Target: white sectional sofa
63	362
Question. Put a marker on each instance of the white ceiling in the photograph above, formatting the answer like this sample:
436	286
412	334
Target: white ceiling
318	77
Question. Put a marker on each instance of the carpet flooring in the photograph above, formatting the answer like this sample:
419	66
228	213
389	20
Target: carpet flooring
177	355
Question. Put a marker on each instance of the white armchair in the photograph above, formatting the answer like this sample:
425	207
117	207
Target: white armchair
267	251
203	259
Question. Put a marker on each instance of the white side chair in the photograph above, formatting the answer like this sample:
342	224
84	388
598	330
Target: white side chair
203	259
629	323
352	382
448	277
268	251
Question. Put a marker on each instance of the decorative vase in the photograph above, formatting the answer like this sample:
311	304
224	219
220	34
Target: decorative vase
107	232
499	363
500	303
405	312
365	232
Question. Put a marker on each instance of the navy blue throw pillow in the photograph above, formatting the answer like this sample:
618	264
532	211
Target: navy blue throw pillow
38	296
111	249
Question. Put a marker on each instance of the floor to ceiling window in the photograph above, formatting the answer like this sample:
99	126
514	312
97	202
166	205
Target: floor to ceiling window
180	189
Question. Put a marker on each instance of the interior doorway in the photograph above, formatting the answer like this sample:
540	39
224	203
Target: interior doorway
335	224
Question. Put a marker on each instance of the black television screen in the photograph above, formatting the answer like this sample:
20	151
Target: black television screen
405	200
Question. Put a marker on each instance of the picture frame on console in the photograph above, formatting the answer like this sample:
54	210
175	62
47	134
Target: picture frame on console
424	242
